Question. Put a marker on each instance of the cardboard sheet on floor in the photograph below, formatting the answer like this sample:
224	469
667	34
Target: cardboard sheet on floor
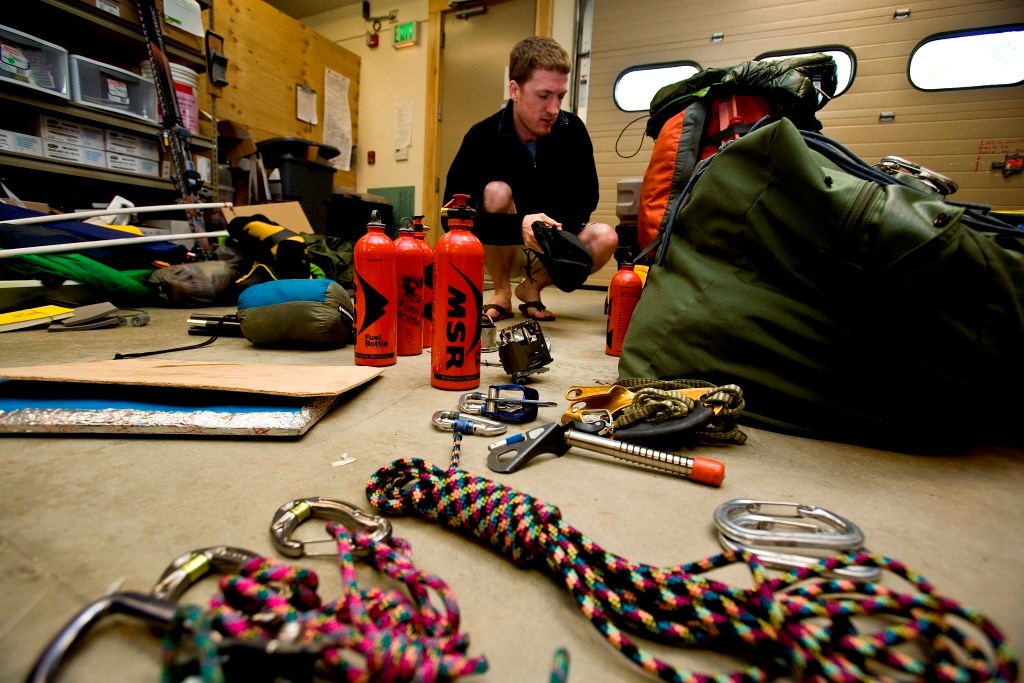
172	397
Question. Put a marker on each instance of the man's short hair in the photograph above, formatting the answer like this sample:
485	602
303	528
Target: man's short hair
536	52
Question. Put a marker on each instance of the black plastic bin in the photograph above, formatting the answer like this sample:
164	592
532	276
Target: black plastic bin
350	211
307	176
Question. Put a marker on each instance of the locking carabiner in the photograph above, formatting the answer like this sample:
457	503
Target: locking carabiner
294	512
466	423
188	568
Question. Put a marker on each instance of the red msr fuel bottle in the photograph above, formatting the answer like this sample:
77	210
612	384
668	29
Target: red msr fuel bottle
373	260
419	231
623	295
409	273
458	299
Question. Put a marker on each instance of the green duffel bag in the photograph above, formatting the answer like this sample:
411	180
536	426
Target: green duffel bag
850	304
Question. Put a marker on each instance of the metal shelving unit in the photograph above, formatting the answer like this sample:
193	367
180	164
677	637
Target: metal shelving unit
77	25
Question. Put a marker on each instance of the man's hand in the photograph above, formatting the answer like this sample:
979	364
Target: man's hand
529	241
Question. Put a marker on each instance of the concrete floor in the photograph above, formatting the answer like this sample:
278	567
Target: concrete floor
81	515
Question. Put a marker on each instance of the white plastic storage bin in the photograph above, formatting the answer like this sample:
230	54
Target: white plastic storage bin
102	86
33	63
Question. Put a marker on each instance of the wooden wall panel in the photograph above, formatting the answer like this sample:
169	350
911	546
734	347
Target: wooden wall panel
270	53
957	133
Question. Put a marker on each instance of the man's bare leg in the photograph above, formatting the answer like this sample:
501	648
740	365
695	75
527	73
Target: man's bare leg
498	259
599	238
529	290
601	241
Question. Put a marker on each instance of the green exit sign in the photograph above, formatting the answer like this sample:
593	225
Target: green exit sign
404	35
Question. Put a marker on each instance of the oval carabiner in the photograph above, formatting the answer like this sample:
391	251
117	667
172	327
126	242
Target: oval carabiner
294	512
751	522
809	534
186	569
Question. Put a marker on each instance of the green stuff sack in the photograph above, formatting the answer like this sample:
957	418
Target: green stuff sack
315	314
849	304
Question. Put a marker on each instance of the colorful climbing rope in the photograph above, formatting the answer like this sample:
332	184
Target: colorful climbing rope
367	634
800	625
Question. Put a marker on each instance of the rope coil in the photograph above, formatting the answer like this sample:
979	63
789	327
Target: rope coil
399	636
799	624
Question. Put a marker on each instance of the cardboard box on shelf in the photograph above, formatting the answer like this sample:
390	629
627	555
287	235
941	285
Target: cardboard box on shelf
199	162
132	145
74	153
11	141
123	9
174	32
54	129
128	11
130	164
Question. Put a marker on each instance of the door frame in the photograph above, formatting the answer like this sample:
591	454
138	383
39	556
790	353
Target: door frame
544	12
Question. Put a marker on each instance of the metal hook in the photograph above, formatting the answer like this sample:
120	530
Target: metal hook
294	512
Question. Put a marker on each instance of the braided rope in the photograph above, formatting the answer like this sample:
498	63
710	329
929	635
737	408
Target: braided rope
190	620
560	667
657	400
400	635
456	447
654	405
799	624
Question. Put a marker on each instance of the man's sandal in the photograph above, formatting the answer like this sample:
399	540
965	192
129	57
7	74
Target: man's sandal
503	313
526	306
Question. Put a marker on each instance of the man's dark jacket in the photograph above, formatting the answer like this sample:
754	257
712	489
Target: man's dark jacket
561	183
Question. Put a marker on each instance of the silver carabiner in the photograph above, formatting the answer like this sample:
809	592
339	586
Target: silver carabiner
893	165
467	423
188	568
809	534
752	522
294	512
157	608
787	561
